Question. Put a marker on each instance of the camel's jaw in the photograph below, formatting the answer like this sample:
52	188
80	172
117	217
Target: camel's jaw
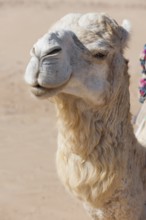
44	92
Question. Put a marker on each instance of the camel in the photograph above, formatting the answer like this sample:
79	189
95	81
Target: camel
79	64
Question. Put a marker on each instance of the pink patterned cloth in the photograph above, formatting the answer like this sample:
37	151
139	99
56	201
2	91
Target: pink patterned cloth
142	82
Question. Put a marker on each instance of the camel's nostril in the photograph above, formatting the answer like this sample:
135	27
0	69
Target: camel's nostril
54	51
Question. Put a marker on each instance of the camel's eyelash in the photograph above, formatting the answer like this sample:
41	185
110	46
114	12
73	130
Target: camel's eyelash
100	55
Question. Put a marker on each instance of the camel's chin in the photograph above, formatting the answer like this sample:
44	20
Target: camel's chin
41	92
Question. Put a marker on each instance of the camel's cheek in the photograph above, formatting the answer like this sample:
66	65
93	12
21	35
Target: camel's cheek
99	93
93	88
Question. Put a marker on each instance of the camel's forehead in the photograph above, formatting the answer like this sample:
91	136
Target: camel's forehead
74	21
87	27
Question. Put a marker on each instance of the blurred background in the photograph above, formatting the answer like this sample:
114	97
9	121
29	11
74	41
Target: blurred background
29	186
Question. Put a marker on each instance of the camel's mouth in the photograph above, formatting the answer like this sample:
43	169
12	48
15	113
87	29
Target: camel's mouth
40	91
44	91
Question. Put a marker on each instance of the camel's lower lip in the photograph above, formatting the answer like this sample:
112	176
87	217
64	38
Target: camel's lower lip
42	91
39	91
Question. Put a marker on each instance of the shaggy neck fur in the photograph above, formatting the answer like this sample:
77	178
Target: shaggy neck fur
92	145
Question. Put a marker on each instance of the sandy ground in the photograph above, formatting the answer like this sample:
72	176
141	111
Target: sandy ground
29	186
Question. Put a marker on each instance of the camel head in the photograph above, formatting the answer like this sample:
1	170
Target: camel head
81	55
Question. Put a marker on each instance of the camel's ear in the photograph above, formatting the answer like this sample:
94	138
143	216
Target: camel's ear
125	32
126	25
122	32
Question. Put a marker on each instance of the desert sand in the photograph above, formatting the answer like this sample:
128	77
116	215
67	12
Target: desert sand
29	185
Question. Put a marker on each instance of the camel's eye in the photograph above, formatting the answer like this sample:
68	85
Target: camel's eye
100	55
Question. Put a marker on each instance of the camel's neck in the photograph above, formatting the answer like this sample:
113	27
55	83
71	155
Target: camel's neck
84	128
91	146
